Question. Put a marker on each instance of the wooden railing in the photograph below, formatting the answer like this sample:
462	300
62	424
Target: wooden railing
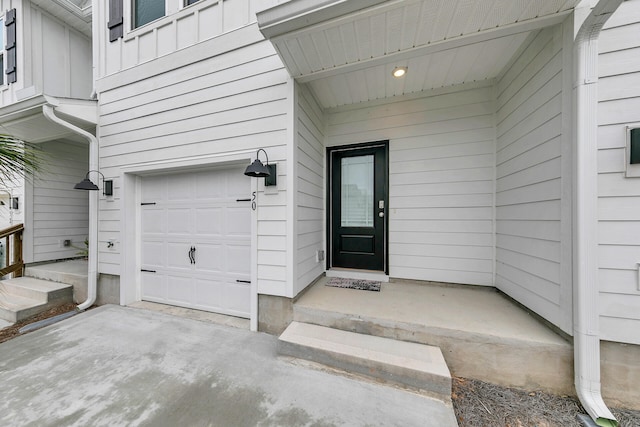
14	263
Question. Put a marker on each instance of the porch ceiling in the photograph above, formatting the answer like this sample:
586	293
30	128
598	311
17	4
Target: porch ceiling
347	50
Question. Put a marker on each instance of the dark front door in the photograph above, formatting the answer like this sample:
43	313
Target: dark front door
358	202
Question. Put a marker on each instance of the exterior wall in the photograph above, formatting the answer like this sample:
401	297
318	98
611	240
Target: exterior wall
56	211
215	101
180	28
530	205
619	197
441	157
310	196
57	61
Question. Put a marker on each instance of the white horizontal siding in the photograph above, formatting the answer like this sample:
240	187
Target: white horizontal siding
224	105
310	187
58	211
529	182
441	172
618	197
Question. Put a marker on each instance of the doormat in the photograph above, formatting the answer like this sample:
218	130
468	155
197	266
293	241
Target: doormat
362	285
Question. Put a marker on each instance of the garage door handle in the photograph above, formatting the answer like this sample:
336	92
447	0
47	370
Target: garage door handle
192	255
243	281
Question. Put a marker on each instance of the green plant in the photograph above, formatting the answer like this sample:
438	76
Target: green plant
84	252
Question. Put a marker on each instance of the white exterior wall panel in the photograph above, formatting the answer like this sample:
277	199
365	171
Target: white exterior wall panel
441	172
58	212
213	109
530	207
618	196
310	203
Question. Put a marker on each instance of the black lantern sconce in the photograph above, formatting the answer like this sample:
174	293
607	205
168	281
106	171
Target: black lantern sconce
87	184
258	170
15	204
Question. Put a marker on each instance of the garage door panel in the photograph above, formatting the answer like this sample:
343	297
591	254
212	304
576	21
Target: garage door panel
154	286
237	256
178	255
210	185
210	258
209	293
153	221
237	297
180	187
238	221
180	289
153	254
179	221
199	210
209	221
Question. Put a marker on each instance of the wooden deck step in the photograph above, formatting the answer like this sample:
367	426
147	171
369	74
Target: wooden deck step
417	366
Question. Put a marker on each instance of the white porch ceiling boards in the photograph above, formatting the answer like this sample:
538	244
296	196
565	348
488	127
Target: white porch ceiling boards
347	49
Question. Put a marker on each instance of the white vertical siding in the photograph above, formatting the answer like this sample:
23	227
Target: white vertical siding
58	211
310	193
529	208
224	105
441	172
619	197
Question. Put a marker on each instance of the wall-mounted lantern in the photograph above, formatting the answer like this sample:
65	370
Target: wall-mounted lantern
87	184
258	170
15	203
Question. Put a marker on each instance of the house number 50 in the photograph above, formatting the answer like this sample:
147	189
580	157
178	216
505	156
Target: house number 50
253	201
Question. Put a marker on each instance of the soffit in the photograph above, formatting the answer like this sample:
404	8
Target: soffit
25	120
346	50
76	13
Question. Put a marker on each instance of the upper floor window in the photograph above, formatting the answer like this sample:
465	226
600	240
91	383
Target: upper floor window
189	2
145	11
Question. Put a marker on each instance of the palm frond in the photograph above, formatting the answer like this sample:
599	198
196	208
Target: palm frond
18	159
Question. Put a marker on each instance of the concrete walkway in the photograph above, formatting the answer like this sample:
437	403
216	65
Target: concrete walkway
118	366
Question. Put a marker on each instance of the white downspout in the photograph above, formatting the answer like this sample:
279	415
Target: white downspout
586	314
92	277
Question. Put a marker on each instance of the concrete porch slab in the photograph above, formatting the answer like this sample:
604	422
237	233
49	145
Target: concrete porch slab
124	366
482	334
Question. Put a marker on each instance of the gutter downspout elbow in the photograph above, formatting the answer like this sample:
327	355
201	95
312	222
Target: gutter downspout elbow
585	302
92	278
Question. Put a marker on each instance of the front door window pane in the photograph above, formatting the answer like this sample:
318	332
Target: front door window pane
357	191
146	11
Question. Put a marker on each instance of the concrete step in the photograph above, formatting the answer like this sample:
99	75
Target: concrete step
73	272
412	365
23	297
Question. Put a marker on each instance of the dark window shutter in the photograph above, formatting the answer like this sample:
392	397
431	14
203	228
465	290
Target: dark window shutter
10	47
115	20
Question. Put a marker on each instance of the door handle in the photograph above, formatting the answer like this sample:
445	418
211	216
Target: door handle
192	256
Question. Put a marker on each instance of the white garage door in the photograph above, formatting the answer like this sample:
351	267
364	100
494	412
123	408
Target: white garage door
196	237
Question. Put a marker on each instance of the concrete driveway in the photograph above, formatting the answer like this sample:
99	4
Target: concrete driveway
119	366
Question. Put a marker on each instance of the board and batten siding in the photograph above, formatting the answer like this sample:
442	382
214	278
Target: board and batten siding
58	212
52	58
529	181
310	203
222	106
618	196
441	174
183	26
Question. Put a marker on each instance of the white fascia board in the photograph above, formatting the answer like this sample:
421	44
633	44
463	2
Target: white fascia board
296	14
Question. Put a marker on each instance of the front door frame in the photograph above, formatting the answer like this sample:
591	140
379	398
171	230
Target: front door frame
329	205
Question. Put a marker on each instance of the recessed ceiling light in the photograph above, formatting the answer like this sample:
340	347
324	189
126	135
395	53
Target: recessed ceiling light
399	72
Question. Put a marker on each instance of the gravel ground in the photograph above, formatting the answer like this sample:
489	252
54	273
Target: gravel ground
479	404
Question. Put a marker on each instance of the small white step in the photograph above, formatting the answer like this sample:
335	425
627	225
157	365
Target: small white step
417	366
14	308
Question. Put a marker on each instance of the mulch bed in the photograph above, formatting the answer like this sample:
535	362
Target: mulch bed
479	404
14	330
